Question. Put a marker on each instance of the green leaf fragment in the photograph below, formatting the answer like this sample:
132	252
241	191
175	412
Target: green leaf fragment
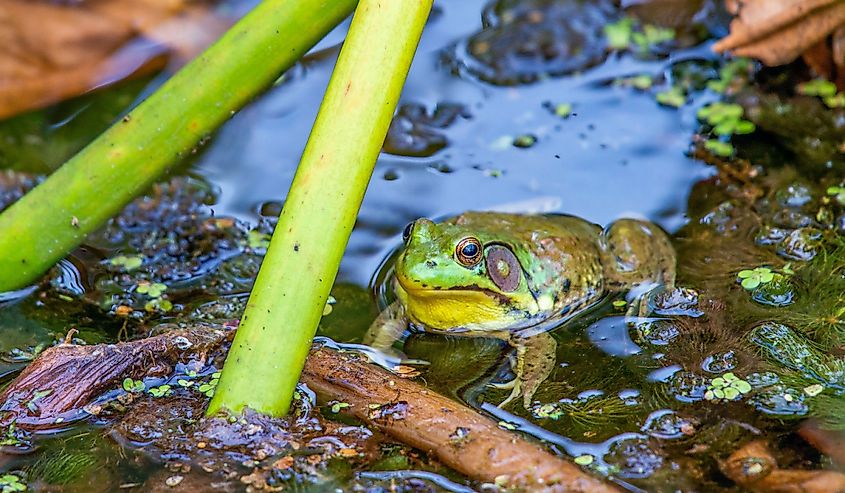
584	460
337	406
128	262
524	141
257	240
750	283
563	110
673	97
719	148
731	393
742	386
817	87
618	34
834	102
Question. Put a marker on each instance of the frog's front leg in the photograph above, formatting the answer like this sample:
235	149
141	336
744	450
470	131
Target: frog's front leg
535	360
387	328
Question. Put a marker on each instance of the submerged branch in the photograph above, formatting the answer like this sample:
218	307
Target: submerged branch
54	390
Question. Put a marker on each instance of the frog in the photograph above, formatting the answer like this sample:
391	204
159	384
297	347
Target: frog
515	277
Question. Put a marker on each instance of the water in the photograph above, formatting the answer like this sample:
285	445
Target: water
620	154
629	402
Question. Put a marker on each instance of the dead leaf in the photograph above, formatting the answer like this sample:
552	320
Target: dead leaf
56	51
778	32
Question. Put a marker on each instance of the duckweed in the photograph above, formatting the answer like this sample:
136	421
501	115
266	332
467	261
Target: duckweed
674	97
128	262
133	386
719	148
10	483
727	387
750	279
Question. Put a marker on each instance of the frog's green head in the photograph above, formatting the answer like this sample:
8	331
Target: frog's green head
458	276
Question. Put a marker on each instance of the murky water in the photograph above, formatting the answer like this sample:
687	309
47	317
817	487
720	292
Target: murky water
630	403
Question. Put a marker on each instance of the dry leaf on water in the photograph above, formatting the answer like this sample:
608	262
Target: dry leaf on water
56	51
778	32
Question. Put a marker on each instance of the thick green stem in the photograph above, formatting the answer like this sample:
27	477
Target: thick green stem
95	184
289	295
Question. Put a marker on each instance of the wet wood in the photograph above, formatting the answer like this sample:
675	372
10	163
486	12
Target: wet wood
55	388
754	467
459	436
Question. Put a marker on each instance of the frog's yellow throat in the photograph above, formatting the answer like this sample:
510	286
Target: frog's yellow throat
465	308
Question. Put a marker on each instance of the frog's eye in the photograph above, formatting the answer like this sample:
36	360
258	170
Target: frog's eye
406	233
468	251
503	268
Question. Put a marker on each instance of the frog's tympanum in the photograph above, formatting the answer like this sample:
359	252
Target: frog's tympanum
507	275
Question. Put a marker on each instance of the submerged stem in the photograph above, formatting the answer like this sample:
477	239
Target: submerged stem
287	300
52	219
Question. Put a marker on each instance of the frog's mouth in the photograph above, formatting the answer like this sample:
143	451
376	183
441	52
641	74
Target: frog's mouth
470	307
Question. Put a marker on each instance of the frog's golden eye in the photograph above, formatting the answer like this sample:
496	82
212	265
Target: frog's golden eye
468	251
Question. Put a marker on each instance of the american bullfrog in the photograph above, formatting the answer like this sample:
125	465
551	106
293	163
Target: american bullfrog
509	275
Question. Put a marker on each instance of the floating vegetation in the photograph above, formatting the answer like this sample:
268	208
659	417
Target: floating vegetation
777	292
733	74
674	97
824	89
818	307
593	411
728	387
726	119
794	351
627	33
750	279
63	466
10	483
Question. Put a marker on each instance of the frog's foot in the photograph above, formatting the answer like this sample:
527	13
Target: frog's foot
535	360
510	384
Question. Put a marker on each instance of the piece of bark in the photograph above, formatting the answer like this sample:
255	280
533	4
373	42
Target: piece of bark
64	378
754	467
459	436
779	32
53	390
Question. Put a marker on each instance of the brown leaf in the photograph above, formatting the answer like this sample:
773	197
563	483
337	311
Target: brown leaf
777	32
53	52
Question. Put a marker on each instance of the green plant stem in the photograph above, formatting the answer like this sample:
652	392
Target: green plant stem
94	185
287	300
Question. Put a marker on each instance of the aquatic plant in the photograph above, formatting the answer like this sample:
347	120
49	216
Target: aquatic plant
727	387
818	308
750	279
11	483
791	350
53	218
302	260
594	411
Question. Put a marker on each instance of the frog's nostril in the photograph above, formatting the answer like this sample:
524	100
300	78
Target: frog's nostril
430	264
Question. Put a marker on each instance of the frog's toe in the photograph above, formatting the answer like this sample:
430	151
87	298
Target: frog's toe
516	391
502	385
